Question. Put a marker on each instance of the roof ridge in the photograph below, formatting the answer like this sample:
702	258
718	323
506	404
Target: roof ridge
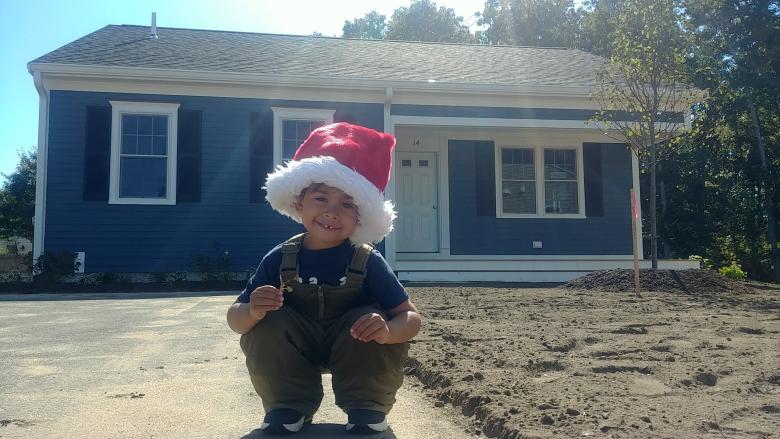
370	40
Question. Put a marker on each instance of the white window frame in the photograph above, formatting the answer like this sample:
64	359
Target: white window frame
118	108
539	173
307	114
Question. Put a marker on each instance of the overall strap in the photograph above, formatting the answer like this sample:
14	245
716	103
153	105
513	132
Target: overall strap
356	271
288	269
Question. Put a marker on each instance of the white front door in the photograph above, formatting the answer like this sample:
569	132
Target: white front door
418	204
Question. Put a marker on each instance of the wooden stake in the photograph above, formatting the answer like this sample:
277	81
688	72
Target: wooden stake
634	219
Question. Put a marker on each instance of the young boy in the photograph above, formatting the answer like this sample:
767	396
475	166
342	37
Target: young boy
326	299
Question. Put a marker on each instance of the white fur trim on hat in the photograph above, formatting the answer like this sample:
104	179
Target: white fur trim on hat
375	214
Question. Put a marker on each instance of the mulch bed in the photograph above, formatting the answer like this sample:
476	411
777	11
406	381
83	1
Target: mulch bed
136	287
696	282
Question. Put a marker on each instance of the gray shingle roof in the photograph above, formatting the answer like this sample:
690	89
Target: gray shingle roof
323	57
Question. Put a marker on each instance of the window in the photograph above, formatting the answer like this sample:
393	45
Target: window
292	126
518	180
560	181
539	182
143	153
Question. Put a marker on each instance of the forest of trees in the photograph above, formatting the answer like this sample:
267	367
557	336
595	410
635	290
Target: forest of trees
717	183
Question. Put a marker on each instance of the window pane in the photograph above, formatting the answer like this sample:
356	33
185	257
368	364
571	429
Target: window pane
517	164
161	125
518	196
129	124
144	144
129	144
288	129
160	145
561	197
142	177
294	132
560	164
145	124
288	149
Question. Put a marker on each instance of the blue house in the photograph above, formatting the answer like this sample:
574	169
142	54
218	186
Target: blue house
154	144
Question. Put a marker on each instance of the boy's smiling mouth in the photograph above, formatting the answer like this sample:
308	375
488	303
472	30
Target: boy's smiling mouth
328	227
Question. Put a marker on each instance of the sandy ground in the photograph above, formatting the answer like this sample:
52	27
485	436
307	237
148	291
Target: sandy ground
491	361
558	363
152	366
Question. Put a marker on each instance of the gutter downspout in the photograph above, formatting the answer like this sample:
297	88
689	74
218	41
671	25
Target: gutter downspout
39	220
390	190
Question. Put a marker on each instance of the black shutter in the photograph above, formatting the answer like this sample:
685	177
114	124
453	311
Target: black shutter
261	152
485	178
97	153
594	191
188	156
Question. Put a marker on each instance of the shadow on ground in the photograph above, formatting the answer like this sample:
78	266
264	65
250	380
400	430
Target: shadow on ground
324	431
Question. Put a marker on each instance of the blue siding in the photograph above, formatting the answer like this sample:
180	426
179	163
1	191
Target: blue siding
132	238
609	234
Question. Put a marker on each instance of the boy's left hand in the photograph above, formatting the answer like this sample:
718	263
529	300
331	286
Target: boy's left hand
371	327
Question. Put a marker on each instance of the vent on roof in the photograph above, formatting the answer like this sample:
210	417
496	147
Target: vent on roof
153	33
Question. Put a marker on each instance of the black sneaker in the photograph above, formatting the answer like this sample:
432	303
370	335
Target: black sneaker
364	421
284	421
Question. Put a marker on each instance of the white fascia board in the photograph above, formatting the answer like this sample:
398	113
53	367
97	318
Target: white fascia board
39	220
299	80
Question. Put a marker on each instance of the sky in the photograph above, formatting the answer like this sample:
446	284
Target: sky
31	28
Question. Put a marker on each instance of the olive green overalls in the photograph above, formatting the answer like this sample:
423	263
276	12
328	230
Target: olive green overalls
287	350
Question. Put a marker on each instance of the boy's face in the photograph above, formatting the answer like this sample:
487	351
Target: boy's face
328	214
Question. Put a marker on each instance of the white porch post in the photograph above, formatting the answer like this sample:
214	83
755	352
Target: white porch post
390	245
39	221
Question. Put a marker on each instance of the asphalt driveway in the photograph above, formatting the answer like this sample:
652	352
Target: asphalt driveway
149	366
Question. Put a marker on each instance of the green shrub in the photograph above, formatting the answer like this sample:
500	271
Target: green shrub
704	263
213	268
733	271
175	278
91	279
14	277
53	266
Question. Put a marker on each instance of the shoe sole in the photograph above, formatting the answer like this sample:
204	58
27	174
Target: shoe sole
367	428
285	428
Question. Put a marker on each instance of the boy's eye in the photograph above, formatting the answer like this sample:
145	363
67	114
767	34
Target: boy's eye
348	205
320	199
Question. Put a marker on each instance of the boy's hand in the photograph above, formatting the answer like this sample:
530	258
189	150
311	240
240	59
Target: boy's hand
371	327
264	299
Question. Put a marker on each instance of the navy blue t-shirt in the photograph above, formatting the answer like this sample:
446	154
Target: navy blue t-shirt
328	267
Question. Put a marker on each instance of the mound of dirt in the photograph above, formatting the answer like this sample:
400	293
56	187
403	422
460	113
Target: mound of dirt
672	281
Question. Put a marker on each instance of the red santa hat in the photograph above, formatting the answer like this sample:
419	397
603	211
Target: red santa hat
353	158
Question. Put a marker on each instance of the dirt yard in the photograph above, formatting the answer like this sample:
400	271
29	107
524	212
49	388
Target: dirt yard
556	362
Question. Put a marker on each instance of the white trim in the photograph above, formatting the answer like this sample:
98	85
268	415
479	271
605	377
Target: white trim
540	181
148	108
390	240
39	220
513	271
635	182
535	265
308	114
444	198
490	122
440	257
132	73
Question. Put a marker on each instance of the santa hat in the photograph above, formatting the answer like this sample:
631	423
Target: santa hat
353	158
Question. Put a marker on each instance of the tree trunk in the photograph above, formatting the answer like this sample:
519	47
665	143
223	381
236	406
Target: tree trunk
667	248
768	193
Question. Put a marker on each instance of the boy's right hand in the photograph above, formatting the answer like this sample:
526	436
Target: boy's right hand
264	299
